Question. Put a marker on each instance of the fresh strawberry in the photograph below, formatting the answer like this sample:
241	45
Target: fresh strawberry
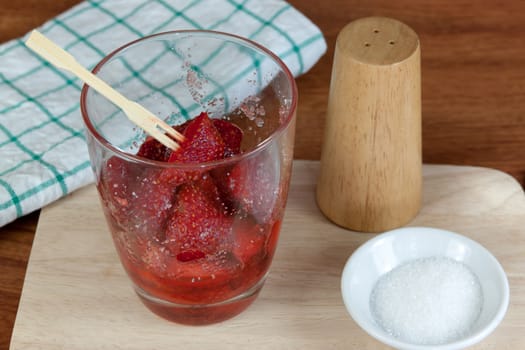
176	176
116	175
154	150
181	127
231	135
117	180
251	185
202	143
135	197
198	221
151	206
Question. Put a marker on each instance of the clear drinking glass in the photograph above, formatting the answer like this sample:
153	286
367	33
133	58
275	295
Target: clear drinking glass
196	239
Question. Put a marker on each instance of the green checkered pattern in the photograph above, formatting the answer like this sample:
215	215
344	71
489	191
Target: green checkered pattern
43	155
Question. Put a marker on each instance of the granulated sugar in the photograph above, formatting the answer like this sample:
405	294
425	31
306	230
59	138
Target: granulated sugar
427	301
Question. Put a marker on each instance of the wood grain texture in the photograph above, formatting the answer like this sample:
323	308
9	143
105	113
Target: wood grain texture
15	244
76	295
370	177
472	68
472	77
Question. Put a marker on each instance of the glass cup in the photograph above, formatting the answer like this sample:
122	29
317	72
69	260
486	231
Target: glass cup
196	239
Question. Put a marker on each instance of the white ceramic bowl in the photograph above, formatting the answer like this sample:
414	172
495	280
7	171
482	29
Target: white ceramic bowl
386	251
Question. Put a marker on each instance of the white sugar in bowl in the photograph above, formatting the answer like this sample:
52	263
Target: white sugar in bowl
419	288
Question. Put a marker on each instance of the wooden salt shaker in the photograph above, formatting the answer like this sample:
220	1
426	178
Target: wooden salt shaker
370	178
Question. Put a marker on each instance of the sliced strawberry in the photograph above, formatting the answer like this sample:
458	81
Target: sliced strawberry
198	221
116	175
151	206
181	127
154	150
231	135
202	143
117	180
135	197
253	185
176	177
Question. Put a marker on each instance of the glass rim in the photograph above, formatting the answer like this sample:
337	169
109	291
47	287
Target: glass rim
211	33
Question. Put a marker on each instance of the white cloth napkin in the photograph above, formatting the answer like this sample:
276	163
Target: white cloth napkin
43	155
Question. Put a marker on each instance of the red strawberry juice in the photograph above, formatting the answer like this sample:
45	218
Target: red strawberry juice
196	228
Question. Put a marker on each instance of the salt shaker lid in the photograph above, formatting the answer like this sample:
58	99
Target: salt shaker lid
377	41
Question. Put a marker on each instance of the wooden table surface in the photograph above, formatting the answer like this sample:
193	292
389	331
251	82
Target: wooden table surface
473	59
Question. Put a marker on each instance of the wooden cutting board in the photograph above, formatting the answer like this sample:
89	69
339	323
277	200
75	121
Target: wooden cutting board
76	295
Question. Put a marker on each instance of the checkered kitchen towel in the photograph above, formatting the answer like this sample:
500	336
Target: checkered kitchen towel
43	155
